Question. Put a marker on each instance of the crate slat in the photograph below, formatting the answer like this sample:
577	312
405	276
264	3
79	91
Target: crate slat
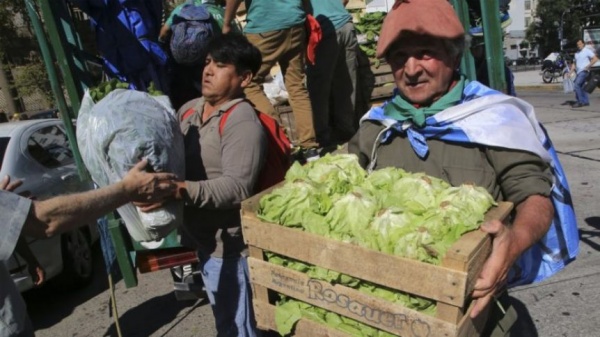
411	276
259	292
383	68
382	92
469	327
345	301
265	319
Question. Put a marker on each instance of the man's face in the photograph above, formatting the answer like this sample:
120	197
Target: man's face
422	68
221	82
580	45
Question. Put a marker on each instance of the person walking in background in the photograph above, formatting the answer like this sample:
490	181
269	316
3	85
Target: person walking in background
277	29
582	63
331	80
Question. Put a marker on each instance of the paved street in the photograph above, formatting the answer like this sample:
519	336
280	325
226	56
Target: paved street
567	304
564	306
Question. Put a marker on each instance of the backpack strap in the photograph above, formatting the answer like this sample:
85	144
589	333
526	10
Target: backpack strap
189	108
226	115
189	112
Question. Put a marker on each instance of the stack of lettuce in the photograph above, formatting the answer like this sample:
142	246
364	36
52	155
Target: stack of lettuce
410	215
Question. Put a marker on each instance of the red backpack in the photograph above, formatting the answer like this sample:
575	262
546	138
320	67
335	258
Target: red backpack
278	148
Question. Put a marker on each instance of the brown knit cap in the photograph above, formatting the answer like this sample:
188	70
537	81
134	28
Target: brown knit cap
424	17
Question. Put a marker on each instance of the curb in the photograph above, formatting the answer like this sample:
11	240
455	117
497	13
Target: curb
543	87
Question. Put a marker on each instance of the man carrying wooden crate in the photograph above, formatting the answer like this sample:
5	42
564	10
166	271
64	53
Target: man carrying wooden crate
462	132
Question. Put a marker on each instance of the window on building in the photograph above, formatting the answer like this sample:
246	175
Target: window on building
527	5
513	46
527	22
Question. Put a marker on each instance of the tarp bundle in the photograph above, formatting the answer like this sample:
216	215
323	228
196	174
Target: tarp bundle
127	38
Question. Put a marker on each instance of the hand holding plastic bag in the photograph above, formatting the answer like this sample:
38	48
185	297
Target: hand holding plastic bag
120	130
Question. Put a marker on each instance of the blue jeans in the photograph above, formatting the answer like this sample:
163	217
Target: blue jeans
227	283
580	94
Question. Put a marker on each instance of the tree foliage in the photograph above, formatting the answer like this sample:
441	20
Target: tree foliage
15	31
575	14
32	79
19	49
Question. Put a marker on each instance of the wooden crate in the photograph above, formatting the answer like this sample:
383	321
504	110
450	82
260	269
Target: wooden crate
384	82
383	87
287	121
449	284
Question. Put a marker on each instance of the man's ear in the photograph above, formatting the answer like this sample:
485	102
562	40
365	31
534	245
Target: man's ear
246	78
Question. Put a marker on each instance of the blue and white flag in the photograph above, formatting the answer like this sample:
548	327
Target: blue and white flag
490	118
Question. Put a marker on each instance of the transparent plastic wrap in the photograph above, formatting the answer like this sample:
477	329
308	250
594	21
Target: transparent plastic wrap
116	133
275	90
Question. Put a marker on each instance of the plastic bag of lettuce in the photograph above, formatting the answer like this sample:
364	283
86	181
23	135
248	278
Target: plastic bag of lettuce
119	130
410	215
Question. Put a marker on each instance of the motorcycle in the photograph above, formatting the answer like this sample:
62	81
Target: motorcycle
551	70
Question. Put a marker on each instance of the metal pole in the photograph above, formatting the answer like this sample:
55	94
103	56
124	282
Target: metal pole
56	88
467	63
560	29
65	43
494	54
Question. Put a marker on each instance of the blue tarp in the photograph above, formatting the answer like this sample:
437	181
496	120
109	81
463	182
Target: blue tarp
127	39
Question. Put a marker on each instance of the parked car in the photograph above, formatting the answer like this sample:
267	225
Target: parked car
38	152
534	60
521	61
49	113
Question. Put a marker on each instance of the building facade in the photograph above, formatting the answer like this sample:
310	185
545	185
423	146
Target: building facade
522	13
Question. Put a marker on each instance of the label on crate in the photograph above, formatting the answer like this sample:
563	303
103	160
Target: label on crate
324	292
292	284
345	301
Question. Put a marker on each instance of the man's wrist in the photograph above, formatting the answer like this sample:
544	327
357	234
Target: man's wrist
126	190
181	190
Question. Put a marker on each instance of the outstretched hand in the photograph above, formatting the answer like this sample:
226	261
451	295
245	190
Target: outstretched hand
149	187
7	185
180	193
494	275
38	274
